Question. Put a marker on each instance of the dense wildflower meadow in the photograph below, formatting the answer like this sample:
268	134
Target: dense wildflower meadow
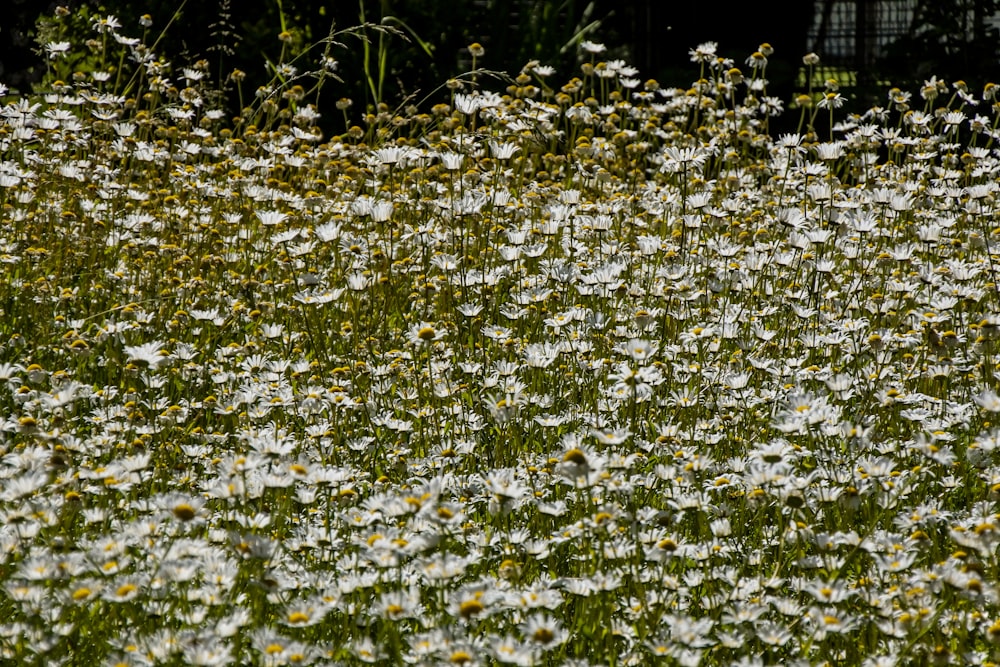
597	372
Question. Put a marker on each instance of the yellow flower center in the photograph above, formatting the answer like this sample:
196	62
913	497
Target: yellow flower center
470	608
543	635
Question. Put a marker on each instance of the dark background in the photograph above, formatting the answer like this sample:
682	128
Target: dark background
950	38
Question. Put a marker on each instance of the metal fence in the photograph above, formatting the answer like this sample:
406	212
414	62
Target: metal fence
855	33
861	42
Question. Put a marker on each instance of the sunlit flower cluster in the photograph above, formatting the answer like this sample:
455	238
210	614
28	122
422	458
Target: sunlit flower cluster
599	374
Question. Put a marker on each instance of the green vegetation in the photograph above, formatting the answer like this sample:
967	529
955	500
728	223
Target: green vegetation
585	373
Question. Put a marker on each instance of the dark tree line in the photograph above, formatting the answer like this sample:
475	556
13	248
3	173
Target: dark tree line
431	38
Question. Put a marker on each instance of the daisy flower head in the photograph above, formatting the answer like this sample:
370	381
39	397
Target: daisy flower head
396	605
611	436
544	631
503	150
502	407
988	400
592	47
640	350
579	465
56	49
107	24
575	453
424	333
757	60
152	354
704	52
509	651
184	508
